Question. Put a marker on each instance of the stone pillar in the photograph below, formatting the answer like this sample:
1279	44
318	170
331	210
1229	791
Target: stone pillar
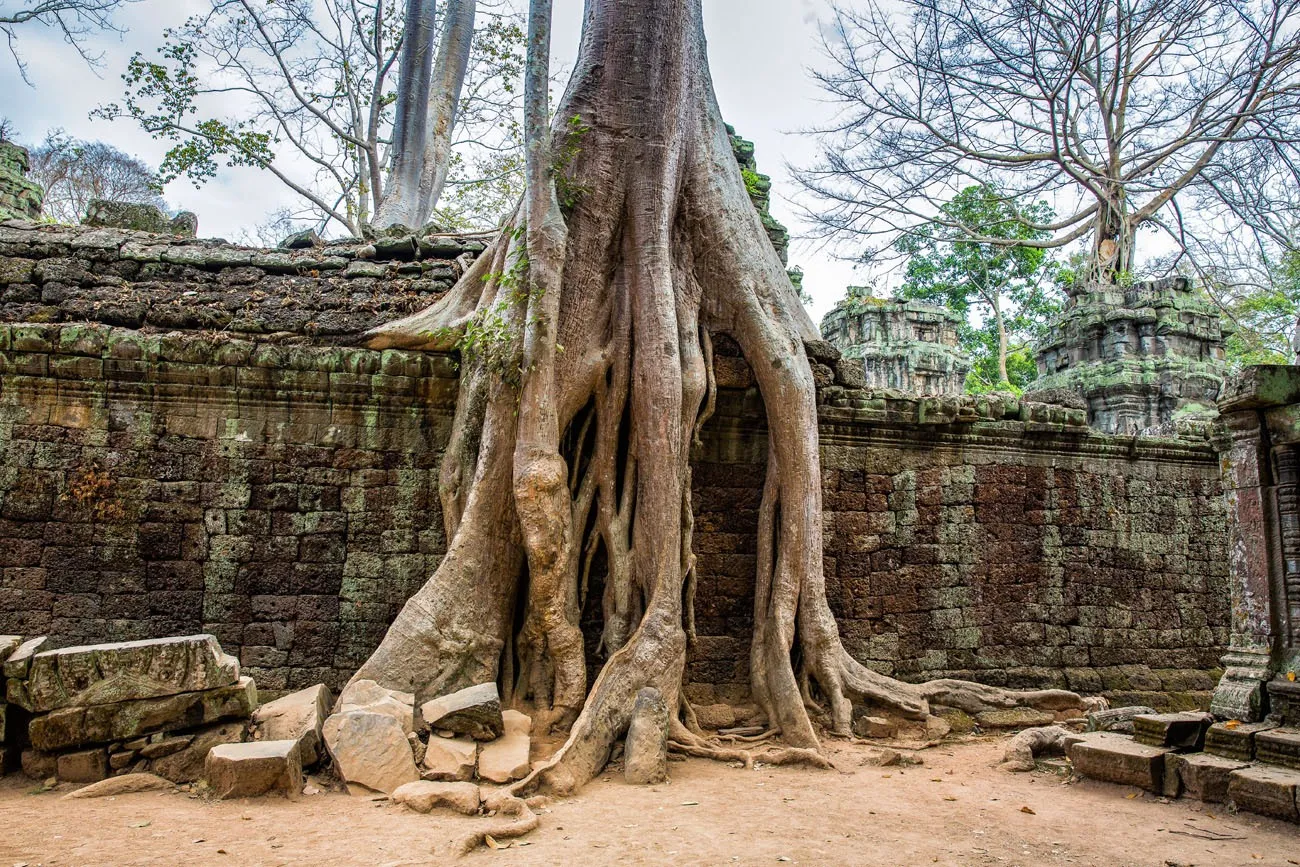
1261	463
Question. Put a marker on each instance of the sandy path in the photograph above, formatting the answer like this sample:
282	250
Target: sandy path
956	810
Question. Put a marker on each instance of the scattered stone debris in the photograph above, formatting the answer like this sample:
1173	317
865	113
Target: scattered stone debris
253	769
473	712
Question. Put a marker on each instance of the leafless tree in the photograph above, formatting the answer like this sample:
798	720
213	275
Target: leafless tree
585	337
74	172
311	86
1124	113
73	19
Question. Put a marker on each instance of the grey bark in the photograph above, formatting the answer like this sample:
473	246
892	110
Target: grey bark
410	129
444	101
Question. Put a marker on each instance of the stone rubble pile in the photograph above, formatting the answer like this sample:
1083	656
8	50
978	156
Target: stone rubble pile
1253	767
136	707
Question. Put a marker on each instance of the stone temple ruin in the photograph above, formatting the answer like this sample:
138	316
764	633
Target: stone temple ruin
19	198
192	445
1143	357
905	346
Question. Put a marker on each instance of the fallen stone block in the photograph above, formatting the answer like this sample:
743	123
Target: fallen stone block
715	716
39	766
423	797
1233	740
369	697
20	661
86	766
645	753
297	717
1014	718
877	727
125	785
1265	790
450	759
187	765
8	644
1118	719
1115	758
72	727
1199	775
254	769
1279	747
1180	731
473	712
111	673
370	750
507	758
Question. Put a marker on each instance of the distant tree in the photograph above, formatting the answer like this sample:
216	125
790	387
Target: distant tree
74	19
318	103
998	276
1259	293
1125	114
73	172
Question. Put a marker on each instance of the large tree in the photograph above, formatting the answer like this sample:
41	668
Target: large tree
1125	113
585	333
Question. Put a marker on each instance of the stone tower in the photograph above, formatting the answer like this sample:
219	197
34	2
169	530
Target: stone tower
909	346
1143	356
19	197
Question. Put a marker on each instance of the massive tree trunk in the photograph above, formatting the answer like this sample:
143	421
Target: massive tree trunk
585	334
410	124
449	70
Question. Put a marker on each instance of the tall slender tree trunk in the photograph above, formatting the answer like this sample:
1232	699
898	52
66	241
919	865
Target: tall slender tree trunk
449	70
572	434
1001	323
1114	238
401	200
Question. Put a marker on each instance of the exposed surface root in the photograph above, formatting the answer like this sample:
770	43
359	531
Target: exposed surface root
1029	744
522	821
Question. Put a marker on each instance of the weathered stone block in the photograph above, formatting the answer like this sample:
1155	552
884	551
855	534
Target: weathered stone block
370	750
297	717
1115	758
1014	718
450	759
86	766
877	727
369	697
77	726
423	797
19	662
187	765
507	758
110	673
1267	791
8	644
1183	731
1235	740
1200	775
1279	747
474	712
254	769
1118	719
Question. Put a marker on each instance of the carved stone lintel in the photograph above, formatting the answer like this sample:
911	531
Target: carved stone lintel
1241	693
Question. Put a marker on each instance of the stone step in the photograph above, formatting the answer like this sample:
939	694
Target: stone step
1266	790
1116	758
1279	747
254	769
1181	731
1199	775
1233	740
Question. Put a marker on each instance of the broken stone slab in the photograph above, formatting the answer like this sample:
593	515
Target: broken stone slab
1199	775
1116	758
450	759
369	697
86	766
507	758
875	727
1014	718
297	717
20	660
72	727
1279	747
1233	740
129	784
111	673
423	797
645	753
254	769
8	644
1181	731
1118	719
473	712
370	750
187	765
1265	790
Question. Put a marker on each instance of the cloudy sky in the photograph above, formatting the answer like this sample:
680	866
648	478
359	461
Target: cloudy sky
760	51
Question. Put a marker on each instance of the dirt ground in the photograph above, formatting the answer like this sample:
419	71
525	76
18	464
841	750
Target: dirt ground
956	809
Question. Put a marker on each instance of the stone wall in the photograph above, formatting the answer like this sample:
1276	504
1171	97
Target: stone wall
282	493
